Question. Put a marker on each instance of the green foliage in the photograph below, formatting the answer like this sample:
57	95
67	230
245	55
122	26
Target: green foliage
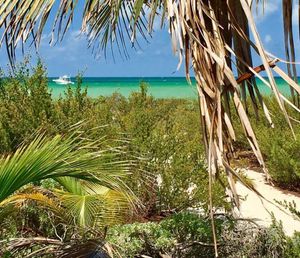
163	133
284	161
25	106
190	235
58	157
171	236
92	191
280	149
169	172
293	246
160	138
290	206
276	240
133	239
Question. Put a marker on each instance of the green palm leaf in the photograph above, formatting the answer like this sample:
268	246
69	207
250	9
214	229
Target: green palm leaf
95	205
59	157
84	209
210	33
94	192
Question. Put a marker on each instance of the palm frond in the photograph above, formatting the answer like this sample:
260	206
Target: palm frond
104	22
60	157
85	207
205	34
287	10
95	205
94	192
25	19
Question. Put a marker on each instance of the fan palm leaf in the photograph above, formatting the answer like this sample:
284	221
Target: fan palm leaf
60	157
83	207
93	204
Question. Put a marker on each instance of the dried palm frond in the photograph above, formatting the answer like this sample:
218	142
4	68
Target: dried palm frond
84	248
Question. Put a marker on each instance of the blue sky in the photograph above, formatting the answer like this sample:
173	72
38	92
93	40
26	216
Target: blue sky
153	59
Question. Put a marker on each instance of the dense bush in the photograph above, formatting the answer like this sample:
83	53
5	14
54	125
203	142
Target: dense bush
279	147
162	136
164	132
181	235
190	235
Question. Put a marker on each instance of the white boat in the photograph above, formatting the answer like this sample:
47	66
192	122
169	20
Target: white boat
64	80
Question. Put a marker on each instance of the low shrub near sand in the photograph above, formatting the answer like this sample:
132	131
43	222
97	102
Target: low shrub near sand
190	235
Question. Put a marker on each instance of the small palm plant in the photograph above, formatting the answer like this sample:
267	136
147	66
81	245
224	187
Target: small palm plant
91	192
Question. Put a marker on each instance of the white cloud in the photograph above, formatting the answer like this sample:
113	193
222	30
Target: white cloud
260	12
268	38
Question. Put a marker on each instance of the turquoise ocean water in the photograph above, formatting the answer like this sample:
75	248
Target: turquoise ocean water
159	87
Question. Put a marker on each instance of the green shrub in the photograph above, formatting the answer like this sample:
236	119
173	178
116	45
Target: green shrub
293	246
161	136
279	148
25	106
283	161
190	235
173	236
137	238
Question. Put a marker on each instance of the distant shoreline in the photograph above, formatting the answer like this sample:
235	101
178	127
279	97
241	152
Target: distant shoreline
159	87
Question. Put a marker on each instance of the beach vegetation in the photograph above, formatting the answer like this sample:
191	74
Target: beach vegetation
168	175
219	42
164	134
190	235
215	38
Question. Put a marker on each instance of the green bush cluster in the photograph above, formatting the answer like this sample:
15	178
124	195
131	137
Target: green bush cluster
181	235
190	235
164	132
280	149
162	136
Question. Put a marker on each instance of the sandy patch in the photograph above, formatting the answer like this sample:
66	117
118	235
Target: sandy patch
258	209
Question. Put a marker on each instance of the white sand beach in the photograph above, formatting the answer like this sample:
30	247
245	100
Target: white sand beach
258	209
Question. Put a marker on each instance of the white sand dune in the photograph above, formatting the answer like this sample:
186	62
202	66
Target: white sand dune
254	207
